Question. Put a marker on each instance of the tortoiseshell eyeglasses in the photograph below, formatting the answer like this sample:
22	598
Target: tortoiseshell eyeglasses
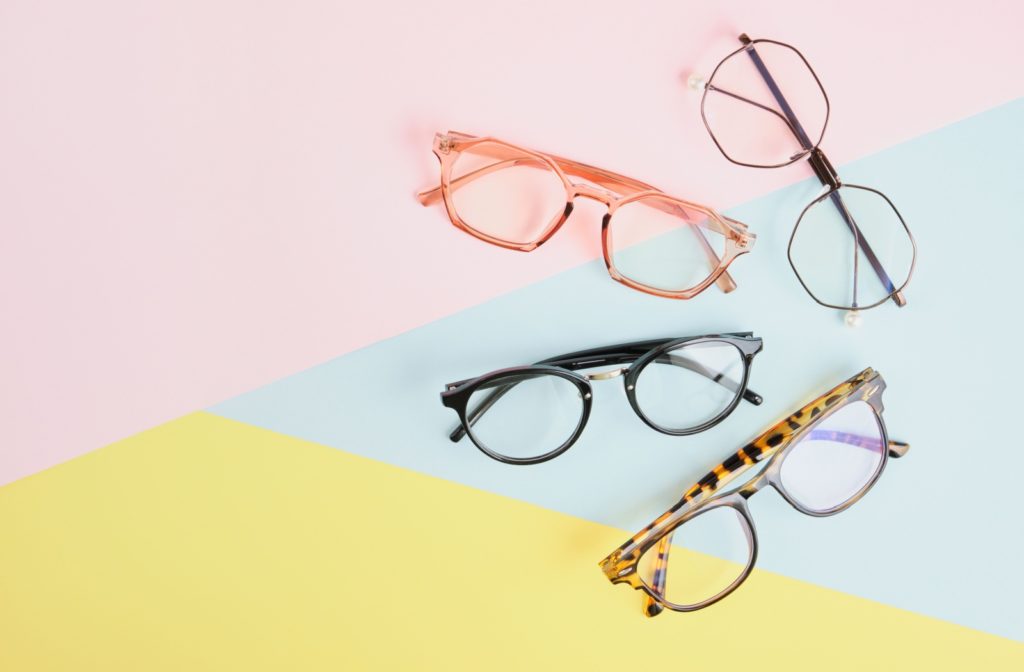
824	457
531	414
765	107
518	198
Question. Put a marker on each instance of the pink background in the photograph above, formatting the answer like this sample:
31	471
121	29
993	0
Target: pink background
199	197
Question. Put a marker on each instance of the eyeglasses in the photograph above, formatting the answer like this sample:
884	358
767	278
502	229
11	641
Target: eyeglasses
531	414
518	198
824	457
754	123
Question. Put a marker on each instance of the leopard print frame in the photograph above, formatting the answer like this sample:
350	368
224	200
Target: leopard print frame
622	565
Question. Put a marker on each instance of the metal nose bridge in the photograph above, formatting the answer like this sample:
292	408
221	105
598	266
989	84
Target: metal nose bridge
607	375
594	194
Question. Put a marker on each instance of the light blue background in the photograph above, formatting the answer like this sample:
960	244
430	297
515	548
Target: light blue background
940	534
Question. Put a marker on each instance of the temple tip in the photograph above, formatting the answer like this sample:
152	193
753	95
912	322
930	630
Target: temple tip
898	448
725	282
652	608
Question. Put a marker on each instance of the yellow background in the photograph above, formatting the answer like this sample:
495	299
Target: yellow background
207	544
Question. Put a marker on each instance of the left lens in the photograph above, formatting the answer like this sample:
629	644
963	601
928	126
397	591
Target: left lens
525	415
835	459
661	243
690	385
506	193
851	249
706	556
764	106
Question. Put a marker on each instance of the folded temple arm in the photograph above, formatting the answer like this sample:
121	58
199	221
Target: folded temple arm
822	168
727	471
605	357
508	157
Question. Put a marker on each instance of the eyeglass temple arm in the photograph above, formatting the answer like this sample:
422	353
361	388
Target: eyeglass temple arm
604	178
497	393
896	449
602	357
822	168
716	377
828	176
623	354
511	157
431	196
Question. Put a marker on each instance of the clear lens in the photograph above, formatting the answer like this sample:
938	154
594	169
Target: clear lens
505	193
663	244
754	125
835	265
690	385
835	460
525	415
706	555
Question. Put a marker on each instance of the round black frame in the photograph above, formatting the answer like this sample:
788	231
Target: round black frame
637	354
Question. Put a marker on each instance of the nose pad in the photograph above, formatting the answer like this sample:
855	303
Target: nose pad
696	82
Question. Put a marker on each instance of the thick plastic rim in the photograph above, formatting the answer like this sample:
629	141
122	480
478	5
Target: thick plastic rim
737	504
586	397
553	224
633	377
775	478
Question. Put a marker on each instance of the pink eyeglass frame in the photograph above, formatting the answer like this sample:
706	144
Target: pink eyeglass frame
613	190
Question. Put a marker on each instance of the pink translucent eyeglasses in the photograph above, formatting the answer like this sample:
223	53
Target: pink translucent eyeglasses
517	198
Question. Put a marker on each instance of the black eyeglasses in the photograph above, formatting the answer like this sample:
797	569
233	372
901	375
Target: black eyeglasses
531	414
754	124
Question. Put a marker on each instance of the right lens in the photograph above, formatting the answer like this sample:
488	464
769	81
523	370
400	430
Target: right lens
525	415
661	243
843	270
690	385
706	556
764	105
835	460
505	193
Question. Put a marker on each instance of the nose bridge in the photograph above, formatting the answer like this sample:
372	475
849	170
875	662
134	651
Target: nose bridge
607	375
594	193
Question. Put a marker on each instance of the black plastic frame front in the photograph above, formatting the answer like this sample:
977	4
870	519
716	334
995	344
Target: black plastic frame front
638	354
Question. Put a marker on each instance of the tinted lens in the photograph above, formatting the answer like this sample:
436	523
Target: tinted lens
706	556
754	124
505	193
690	385
661	243
836	459
525	415
842	270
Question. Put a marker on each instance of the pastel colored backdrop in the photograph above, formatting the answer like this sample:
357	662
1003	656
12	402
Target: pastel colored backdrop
209	205
200	197
916	542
